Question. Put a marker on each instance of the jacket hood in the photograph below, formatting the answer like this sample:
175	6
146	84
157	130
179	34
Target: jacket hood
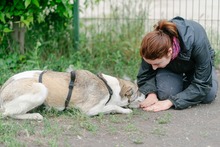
186	35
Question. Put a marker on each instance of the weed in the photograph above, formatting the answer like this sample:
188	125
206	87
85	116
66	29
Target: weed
138	141
89	126
100	117
8	133
119	145
130	128
115	119
159	131
204	134
166	118
112	130
50	128
111	49
53	143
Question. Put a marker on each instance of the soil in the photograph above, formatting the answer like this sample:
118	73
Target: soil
198	126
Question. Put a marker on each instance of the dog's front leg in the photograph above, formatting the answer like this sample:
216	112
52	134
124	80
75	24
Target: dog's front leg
109	109
115	109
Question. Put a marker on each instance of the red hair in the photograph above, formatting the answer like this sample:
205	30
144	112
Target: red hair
155	44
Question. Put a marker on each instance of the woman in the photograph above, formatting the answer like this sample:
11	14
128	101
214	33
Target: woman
177	68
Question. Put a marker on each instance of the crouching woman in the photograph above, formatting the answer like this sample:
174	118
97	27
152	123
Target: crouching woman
177	68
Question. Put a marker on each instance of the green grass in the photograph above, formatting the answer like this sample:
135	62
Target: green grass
114	51
165	119
109	52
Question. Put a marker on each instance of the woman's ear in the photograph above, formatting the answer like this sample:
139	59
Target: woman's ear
170	51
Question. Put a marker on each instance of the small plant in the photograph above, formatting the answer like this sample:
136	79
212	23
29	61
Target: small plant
130	128
115	119
112	129
8	133
166	118
138	141
89	126
159	131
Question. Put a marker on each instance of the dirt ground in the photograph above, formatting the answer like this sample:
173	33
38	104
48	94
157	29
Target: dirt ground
198	126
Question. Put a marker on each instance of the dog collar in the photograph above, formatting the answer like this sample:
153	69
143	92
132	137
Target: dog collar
108	87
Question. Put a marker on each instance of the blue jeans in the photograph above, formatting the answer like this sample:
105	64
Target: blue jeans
169	83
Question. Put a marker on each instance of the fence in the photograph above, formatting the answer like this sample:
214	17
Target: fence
104	12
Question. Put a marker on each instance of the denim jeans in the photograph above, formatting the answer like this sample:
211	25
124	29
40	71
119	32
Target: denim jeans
169	83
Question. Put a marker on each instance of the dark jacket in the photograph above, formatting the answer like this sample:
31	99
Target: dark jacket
195	59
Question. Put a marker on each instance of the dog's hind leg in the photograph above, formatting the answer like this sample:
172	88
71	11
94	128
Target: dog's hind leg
31	116
19	106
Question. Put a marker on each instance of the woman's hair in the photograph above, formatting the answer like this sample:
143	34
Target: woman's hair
155	44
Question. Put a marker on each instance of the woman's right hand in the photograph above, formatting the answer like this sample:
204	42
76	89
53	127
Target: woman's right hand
150	100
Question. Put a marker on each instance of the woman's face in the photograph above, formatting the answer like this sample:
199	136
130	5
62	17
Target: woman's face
162	62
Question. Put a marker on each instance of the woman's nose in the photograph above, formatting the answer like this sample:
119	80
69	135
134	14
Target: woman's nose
154	67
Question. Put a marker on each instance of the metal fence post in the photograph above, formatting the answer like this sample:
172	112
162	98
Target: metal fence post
76	24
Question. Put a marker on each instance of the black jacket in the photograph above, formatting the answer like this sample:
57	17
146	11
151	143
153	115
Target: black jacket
195	58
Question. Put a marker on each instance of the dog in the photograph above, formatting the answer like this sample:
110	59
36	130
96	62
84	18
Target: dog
92	94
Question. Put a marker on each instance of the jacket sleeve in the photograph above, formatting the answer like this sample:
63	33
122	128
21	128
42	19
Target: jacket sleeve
146	79
202	77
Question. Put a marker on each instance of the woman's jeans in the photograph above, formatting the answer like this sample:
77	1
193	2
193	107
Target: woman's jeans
169	83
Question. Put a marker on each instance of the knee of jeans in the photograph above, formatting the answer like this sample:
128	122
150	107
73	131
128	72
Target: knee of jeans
210	98
163	95
212	94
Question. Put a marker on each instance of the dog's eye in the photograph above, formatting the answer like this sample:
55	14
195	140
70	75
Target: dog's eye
129	92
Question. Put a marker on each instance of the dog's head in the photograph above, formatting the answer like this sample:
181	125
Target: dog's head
130	93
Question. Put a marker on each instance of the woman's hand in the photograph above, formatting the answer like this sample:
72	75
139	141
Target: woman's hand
159	106
151	99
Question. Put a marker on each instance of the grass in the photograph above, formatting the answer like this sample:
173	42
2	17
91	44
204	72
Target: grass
51	129
165	119
114	51
159	131
110	56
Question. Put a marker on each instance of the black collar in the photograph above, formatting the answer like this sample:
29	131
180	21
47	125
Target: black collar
108	87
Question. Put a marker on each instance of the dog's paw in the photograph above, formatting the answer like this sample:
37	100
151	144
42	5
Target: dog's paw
36	116
127	111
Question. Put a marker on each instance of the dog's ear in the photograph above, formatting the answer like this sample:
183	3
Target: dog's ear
126	91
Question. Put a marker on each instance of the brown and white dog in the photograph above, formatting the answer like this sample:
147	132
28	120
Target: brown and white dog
91	94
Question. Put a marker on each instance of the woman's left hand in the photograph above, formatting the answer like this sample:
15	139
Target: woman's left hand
159	106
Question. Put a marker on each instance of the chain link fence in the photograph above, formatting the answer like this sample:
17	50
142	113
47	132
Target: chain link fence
140	15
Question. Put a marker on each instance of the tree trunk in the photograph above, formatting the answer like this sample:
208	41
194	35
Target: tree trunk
18	35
